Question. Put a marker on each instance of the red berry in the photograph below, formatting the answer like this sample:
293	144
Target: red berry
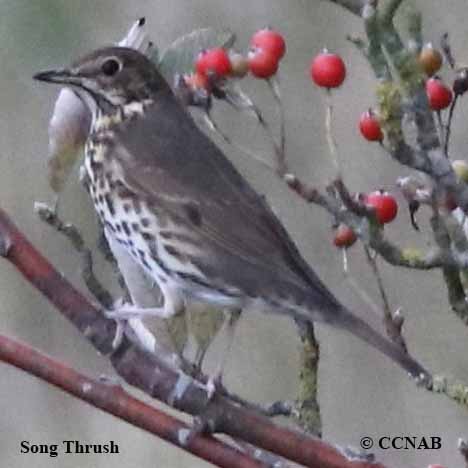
439	95
214	61
270	41
386	207
344	236
328	70
370	126
262	64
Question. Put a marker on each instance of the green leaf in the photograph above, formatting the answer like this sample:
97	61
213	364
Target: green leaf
178	58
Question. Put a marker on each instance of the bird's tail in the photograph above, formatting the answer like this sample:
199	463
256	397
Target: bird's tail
350	322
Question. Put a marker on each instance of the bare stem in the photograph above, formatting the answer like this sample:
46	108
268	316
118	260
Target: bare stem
71	232
332	147
366	298
442	130
241	101
273	84
250	154
448	129
447	50
393	329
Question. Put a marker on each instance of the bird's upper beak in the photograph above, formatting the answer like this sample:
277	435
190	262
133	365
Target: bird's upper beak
62	76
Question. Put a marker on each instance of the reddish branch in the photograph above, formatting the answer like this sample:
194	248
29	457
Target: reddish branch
114	400
151	374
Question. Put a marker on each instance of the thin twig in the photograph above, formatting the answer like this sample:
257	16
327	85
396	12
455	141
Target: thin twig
366	298
96	288
441	126
214	127
273	84
392	328
241	101
447	50
332	147
448	129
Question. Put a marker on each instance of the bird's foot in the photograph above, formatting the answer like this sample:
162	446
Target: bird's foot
207	421
119	333
213	384
120	327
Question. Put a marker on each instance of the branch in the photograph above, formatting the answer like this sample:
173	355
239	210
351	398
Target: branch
307	409
50	217
154	376
356	216
456	391
114	400
375	54
393	323
456	292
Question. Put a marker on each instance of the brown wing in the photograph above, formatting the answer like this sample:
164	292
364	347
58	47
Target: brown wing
167	159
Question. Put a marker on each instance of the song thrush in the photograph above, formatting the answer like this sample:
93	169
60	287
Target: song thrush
168	194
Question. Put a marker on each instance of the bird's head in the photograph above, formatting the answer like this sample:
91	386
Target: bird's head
110	77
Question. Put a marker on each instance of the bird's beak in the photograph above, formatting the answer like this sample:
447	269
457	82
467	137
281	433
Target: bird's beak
63	76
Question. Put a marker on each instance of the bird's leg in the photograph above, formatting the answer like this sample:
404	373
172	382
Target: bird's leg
206	421
199	358
215	380
173	303
120	326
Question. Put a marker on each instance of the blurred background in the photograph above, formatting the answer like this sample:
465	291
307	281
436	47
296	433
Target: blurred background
361	393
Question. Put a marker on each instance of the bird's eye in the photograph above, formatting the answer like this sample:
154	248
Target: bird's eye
110	67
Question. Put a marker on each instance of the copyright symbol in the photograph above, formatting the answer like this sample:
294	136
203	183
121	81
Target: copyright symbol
366	443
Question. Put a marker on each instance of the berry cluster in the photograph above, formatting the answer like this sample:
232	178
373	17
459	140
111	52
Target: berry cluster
439	95
328	70
385	209
267	48
212	66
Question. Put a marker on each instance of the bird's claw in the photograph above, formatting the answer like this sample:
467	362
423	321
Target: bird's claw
119	334
213	384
